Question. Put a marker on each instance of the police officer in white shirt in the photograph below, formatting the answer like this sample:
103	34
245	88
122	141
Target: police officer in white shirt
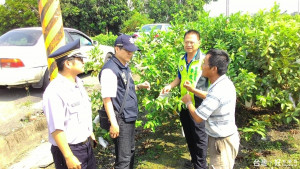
67	107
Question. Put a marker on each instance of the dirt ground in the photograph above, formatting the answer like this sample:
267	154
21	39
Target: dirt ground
167	149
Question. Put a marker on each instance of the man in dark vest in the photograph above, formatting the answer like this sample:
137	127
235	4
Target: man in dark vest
190	81
113	79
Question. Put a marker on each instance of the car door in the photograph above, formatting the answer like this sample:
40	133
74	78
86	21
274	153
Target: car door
68	37
85	43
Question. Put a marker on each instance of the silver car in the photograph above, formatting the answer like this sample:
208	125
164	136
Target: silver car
23	58
147	29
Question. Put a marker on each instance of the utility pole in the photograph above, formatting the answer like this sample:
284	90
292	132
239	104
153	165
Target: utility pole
53	31
227	8
298	7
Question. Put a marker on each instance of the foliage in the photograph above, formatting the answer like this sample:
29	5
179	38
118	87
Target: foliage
261	45
256	126
100	16
95	66
15	14
90	16
96	104
135	21
94	16
106	39
264	50
191	8
287	118
160	10
163	10
245	88
157	64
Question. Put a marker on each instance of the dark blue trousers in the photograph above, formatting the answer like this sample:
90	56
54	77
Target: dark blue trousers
84	153
125	145
196	139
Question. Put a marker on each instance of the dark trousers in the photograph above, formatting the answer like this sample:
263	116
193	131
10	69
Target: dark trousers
196	139
84	153
125	145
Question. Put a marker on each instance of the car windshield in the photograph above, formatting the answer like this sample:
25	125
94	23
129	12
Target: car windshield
20	38
147	28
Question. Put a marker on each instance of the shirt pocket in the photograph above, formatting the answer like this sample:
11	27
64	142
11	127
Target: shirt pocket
73	111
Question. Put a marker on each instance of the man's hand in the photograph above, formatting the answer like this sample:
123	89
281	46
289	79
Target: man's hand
186	98
188	85
166	89
61	141
73	162
114	130
200	93
145	85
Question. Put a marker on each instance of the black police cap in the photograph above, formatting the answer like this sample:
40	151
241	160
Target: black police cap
66	51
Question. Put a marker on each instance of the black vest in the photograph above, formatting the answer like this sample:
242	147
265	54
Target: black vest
131	108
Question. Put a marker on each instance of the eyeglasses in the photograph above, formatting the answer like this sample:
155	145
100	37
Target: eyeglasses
190	42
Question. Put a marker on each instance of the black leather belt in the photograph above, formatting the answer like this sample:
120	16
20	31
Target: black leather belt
84	142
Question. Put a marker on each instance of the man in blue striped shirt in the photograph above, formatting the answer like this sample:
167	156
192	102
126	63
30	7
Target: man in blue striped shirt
218	111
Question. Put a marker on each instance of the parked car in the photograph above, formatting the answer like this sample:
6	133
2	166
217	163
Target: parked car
23	57
147	29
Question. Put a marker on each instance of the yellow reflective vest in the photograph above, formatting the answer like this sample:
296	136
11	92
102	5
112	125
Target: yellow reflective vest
193	74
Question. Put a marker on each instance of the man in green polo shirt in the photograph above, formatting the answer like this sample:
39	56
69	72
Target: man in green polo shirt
190	80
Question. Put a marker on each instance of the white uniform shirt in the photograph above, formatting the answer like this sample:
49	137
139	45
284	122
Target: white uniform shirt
67	107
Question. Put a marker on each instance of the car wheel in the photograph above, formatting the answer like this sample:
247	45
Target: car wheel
46	80
107	57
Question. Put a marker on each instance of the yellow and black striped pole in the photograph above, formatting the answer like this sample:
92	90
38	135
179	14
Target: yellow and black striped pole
52	24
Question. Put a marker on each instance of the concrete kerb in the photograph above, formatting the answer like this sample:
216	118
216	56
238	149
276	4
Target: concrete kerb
16	143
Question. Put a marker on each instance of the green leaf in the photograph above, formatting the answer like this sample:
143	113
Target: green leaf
247	130
285	70
288	120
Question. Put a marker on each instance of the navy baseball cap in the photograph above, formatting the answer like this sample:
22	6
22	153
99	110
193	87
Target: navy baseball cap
66	51
126	42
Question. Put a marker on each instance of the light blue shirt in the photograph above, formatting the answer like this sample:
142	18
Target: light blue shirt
218	108
67	107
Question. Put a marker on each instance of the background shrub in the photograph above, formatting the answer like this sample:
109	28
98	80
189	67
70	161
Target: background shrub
106	39
264	52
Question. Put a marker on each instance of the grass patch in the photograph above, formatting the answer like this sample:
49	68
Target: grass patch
27	103
280	150
88	85
167	149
